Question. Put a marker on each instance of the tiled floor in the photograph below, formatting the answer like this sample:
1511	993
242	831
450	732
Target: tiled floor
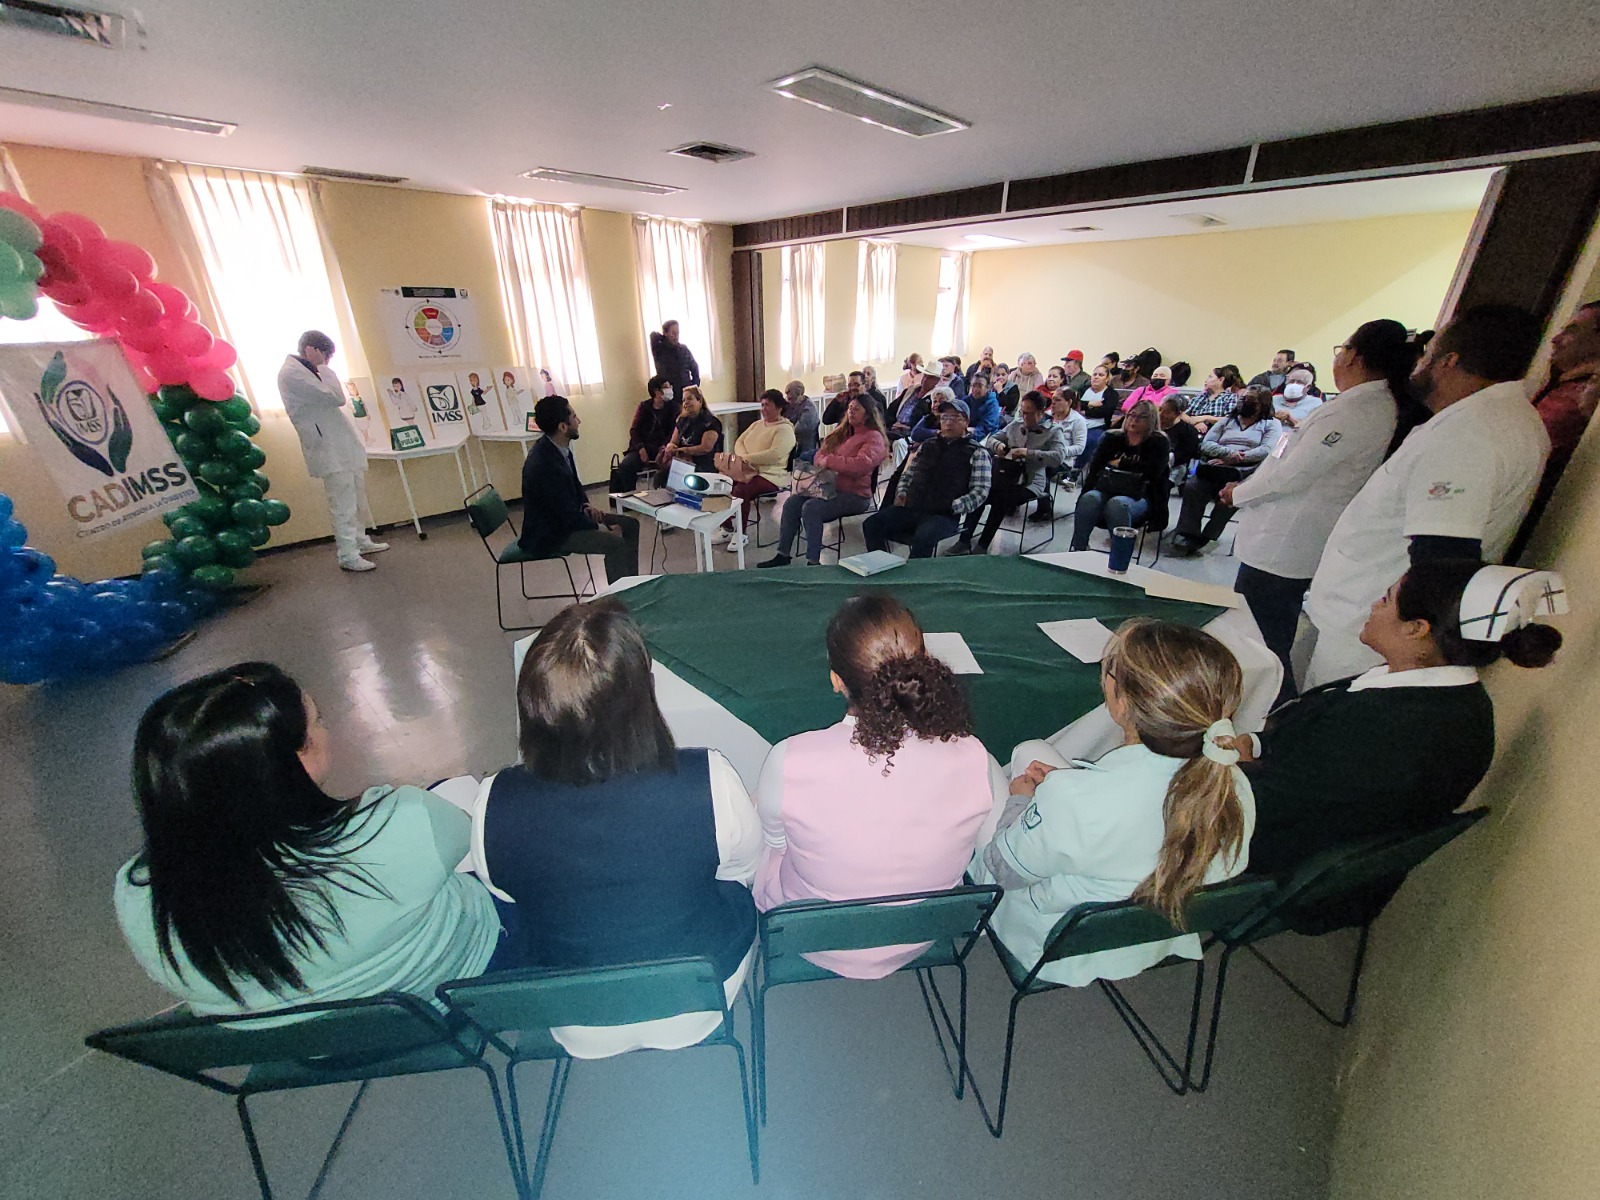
415	680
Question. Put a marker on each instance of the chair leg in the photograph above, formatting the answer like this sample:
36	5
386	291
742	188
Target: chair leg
1348	1014
957	1031
1355	978
758	1047
996	1125
1216	1021
256	1163
517	1180
547	1131
752	1132
1160	1057
338	1141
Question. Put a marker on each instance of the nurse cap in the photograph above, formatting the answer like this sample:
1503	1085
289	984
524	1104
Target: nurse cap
1500	599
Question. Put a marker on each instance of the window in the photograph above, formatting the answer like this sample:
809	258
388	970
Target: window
675	285
950	312
545	282
269	276
875	287
800	309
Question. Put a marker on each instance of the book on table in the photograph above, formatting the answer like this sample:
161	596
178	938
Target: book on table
873	562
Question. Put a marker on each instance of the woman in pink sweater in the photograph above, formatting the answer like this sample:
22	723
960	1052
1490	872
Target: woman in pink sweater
891	800
852	452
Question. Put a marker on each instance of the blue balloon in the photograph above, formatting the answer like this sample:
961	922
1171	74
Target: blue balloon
6	507
23	669
12	533
172	618
35	563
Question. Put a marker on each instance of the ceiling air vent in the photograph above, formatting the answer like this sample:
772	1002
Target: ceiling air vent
66	20
350	176
840	94
555	175
1199	220
1081	229
711	152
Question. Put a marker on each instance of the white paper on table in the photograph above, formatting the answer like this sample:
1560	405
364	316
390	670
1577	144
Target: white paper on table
1163	586
952	650
1085	640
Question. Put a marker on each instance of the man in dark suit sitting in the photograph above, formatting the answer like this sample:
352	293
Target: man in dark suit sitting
557	518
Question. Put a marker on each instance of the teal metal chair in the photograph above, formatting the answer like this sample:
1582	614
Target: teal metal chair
346	1041
953	920
515	1011
1346	887
1091	928
489	514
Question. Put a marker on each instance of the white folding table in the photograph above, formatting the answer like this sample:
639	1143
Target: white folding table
400	457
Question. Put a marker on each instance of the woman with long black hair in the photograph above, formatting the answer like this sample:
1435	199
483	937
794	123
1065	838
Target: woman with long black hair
256	889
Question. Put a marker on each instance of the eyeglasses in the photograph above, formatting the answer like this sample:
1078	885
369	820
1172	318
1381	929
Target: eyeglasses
1341	346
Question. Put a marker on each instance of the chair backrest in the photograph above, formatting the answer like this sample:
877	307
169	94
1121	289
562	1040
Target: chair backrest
486	510
1337	880
343	1034
807	926
1091	928
537	999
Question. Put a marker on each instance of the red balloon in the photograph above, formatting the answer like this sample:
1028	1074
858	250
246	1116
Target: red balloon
221	355
59	237
92	312
146	339
86	230
147	382
143	308
18	204
131	258
172	298
109	280
189	338
169	367
66	292
211	384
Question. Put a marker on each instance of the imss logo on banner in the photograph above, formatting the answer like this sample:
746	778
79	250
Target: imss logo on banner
78	407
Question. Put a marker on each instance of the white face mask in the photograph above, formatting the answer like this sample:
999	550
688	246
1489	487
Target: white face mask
1293	391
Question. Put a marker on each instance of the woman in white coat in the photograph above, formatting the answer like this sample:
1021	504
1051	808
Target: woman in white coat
315	402
1290	504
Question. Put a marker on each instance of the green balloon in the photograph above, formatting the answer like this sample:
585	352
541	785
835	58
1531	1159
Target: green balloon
243	491
164	566
256	535
277	512
212	576
192	446
249	426
233	445
195	551
166	410
236	409
213	510
261	481
167	518
253	458
233	549
204	418
187	526
179	399
214	470
154	550
250	512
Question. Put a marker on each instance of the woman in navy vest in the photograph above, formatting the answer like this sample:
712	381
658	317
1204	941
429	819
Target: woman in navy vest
615	846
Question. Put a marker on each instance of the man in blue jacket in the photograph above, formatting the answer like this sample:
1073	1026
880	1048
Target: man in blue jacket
557	518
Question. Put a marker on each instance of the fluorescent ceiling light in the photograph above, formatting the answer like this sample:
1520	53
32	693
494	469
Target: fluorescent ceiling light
990	239
116	112
840	94
555	175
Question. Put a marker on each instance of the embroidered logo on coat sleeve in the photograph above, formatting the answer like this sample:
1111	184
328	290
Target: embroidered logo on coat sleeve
1332	439
1031	817
1443	490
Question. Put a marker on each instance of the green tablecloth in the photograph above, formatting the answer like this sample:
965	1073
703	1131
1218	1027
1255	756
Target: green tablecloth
753	640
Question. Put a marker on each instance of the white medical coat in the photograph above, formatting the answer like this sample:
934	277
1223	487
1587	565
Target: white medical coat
316	406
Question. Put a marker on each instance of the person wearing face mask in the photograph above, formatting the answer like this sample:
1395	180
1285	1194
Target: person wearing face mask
1156	391
1231	450
649	432
1299	396
1457	487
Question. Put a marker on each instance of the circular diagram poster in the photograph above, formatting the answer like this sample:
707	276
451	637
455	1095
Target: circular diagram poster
428	324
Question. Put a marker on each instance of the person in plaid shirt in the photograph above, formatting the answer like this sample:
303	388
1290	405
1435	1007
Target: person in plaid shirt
946	479
1217	400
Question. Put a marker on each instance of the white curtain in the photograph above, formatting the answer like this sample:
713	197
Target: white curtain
675	285
545	281
268	272
950	312
876	264
800	309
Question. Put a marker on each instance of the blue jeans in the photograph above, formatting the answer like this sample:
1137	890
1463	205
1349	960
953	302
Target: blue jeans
1095	510
924	531
814	512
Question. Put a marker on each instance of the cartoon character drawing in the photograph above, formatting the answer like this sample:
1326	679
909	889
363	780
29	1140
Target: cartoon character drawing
400	401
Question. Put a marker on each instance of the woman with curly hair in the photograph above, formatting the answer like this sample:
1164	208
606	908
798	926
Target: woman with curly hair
893	798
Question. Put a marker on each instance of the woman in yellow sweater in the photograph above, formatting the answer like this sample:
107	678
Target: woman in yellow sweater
759	464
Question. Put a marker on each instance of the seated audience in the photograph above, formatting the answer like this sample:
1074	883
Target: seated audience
1026	377
1025	452
1232	449
1054	378
1066	412
869	380
557	518
1299	396
1161	816
913	404
1100	399
943	481
928	428
855	385
1272	378
891	800
616	845
853	452
1218	394
1566	403
759	464
698	435
1128	377
803	415
913	371
950	376
649	432
1004	387
1126	482
1157	390
1399	748
1072	373
1185	438
1288	507
984	363
255	889
984	406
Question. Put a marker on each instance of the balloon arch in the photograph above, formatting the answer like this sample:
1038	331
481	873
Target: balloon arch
53	626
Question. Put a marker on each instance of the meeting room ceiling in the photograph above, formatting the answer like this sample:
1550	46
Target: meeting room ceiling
466	96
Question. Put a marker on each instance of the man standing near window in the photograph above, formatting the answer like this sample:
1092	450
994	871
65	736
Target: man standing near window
315	400
557	518
674	361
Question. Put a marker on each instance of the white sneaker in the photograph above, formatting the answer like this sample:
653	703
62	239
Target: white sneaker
368	546
737	542
722	534
356	564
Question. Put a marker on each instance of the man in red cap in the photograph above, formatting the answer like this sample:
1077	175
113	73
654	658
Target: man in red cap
1077	378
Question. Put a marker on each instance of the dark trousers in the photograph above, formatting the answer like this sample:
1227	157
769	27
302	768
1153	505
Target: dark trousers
748	491
1200	490
625	475
924	531
1275	604
621	553
1005	497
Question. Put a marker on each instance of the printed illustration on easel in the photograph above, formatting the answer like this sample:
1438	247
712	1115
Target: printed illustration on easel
441	398
368	424
516	394
484	414
428	324
400	402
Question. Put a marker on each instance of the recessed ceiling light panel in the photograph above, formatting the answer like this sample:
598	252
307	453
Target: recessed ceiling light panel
350	176
841	94
711	152
117	112
1081	229
584	179
1198	219
990	239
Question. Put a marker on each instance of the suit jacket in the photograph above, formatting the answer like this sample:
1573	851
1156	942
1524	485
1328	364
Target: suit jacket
553	501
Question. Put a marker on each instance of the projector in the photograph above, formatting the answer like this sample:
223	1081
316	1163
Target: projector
708	484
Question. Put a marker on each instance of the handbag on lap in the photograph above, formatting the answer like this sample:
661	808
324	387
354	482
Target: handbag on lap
812	482
1114	481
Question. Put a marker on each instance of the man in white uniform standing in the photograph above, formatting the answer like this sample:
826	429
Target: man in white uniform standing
315	402
1457	487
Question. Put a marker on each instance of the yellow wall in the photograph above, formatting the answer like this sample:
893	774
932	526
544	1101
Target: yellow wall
383	237
1216	297
1473	1069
